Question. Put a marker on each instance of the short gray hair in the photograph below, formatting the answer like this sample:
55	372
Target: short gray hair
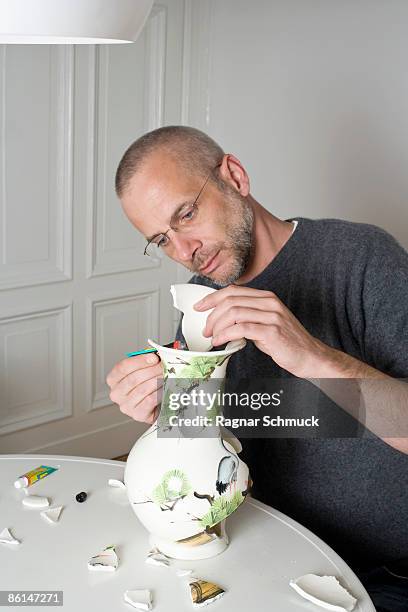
195	150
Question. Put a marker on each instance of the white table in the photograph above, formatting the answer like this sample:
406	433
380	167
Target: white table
267	548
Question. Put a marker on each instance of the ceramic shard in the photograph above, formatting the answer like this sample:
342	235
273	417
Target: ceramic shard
140	599
204	593
324	591
118	484
155	557
193	322
52	515
7	538
34	501
184	572
105	561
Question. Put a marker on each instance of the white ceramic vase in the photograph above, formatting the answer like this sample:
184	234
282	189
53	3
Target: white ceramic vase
183	483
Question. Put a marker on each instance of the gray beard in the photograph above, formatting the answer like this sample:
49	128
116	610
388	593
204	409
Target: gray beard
239	241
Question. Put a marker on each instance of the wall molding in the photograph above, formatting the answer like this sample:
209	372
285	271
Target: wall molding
98	263
155	46
3	51
99	398
63	406
196	100
61	178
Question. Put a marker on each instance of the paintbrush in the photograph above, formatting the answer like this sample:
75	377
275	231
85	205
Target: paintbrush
176	344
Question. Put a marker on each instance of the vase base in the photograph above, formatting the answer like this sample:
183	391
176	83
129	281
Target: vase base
192	548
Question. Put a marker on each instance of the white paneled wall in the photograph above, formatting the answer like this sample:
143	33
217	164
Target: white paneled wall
36	387
36	164
76	292
110	318
312	96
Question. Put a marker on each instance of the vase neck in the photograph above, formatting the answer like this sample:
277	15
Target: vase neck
192	405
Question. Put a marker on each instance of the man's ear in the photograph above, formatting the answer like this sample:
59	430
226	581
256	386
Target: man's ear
233	173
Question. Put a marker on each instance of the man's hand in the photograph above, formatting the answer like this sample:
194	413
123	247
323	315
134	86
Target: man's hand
242	312
134	385
260	316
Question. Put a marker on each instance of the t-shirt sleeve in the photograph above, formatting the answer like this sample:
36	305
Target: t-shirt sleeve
384	296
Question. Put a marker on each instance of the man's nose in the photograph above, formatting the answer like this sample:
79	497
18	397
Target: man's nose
184	245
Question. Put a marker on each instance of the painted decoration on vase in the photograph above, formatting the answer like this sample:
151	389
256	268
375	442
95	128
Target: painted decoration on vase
173	487
183	482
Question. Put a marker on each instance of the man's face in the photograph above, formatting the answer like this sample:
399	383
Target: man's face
218	245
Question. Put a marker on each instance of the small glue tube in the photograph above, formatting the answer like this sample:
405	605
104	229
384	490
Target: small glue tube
33	476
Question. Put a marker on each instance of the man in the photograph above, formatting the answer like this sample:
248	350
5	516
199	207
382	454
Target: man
324	299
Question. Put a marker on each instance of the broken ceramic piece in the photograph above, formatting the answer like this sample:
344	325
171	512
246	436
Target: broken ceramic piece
324	591
117	484
155	557
52	515
34	501
7	538
184	572
185	295
106	561
204	593
140	599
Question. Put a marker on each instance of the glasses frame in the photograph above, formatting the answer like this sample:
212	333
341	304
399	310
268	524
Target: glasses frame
194	207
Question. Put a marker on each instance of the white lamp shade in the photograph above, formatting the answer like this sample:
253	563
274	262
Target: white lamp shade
72	21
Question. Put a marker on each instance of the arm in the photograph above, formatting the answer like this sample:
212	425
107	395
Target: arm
384	398
261	317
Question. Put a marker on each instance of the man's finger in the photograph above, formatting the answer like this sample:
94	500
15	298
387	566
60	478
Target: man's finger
211	300
145	412
141	401
138	394
250	331
134	380
131	364
243	315
223	310
138	377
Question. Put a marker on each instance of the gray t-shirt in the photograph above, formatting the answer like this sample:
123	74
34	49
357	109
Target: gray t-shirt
347	283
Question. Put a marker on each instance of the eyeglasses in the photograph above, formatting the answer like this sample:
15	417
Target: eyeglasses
184	221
